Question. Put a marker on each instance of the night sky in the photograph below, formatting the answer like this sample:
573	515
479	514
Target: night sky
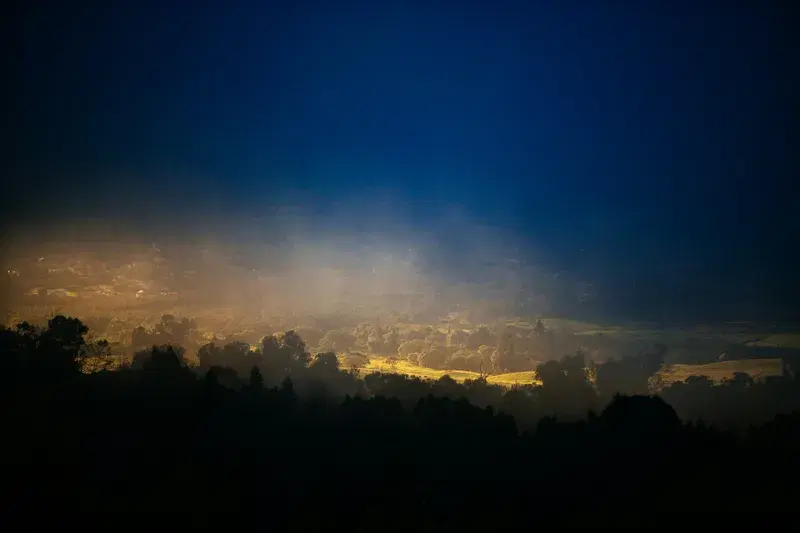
649	147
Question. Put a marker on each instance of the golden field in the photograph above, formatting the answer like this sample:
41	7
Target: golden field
757	368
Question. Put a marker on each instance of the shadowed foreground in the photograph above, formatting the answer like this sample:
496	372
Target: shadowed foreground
282	447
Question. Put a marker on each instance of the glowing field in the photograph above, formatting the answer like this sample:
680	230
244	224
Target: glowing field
757	368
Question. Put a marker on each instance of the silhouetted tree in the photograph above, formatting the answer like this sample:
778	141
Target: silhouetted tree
327	360
256	380
629	375
185	441
434	357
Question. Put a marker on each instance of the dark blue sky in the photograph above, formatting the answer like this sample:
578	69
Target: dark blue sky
647	146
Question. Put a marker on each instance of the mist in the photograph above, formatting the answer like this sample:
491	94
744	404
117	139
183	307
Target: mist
357	259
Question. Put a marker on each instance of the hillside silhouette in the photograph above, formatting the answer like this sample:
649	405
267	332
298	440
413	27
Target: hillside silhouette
274	431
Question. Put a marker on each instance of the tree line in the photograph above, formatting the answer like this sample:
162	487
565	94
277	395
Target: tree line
276	434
